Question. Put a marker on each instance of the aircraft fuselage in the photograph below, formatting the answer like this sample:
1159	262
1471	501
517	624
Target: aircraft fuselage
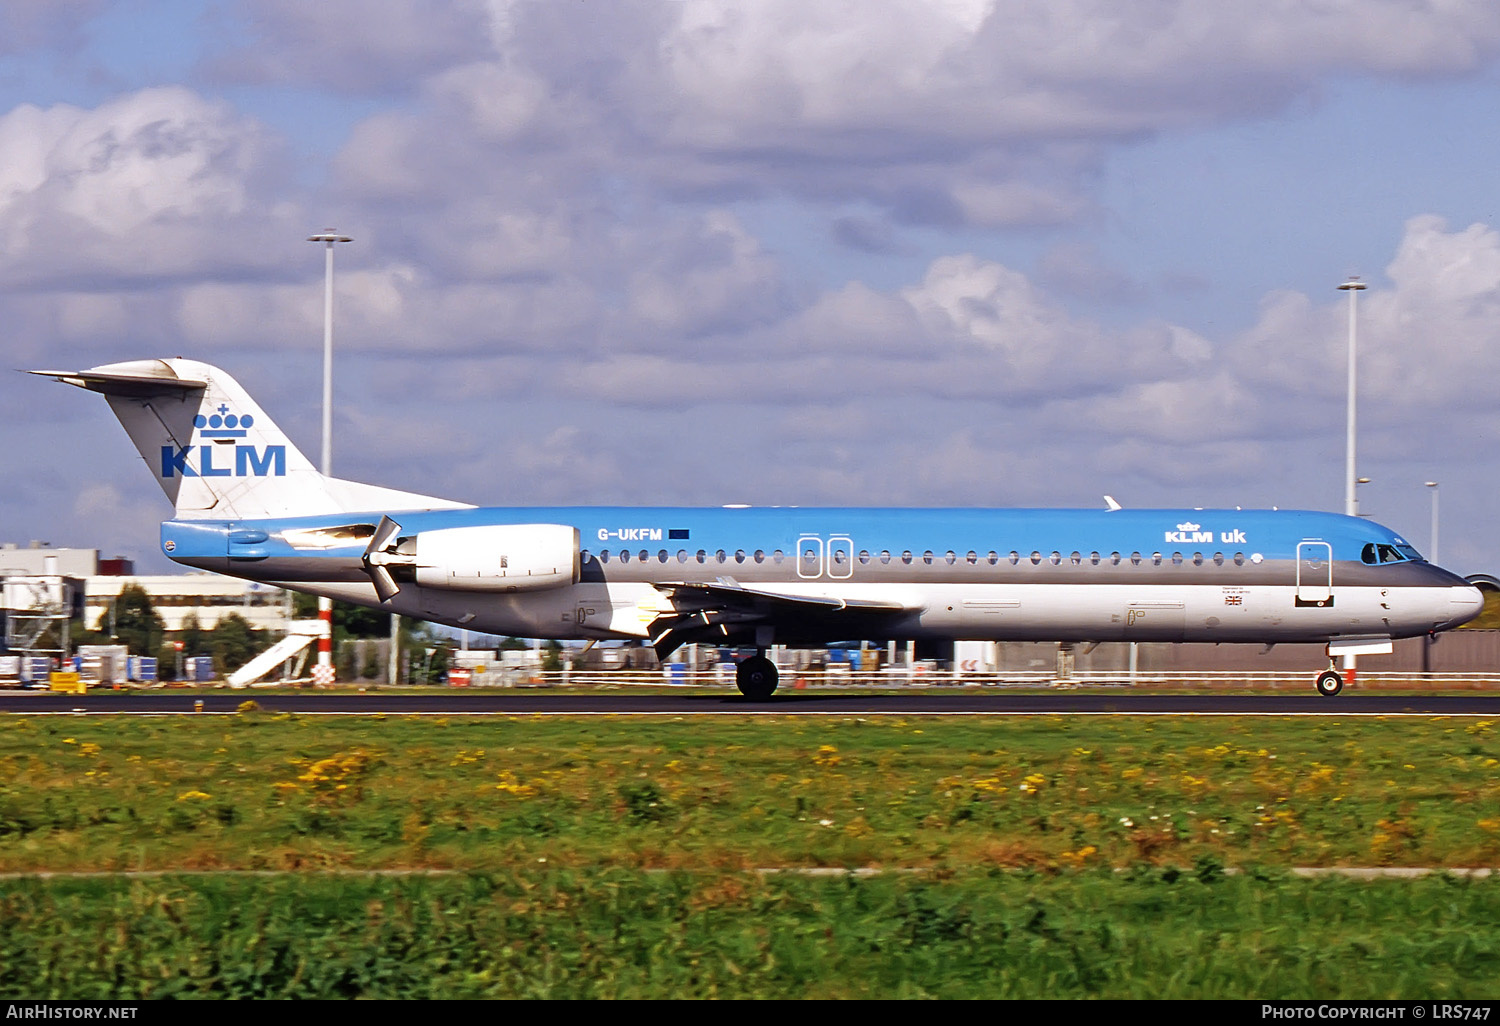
973	574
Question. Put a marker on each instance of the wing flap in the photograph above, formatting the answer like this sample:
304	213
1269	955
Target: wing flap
725	611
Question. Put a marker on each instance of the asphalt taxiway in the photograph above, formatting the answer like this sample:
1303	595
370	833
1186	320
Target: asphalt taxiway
794	703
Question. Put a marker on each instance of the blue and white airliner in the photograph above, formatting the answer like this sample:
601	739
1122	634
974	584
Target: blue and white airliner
250	505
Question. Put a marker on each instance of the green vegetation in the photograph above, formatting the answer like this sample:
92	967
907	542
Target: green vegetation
260	791
609	933
603	856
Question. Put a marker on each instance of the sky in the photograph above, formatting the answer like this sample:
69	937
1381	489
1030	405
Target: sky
793	252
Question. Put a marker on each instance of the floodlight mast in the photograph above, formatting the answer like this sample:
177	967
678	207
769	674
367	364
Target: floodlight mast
1432	553
1351	501
324	673
329	238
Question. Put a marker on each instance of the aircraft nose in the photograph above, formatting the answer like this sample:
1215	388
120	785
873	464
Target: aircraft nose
1465	602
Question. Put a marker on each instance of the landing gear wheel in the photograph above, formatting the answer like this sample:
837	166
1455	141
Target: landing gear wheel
1330	683
756	678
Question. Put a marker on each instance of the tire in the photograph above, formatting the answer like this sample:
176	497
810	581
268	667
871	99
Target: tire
1330	683
756	678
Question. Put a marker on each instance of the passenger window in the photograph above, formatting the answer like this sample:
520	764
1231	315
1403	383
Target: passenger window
682	555
661	557
1114	559
739	555
864	557
994	557
721	555
1239	559
1036	557
927	557
906	557
1135	559
624	555
1197	559
702	556
1156	559
584	555
604	556
885	555
1056	557
810	556
1176	559
1015	557
1094	558
777	556
1076	558
1218	559
839	555
645	556
973	557
760	555
951	557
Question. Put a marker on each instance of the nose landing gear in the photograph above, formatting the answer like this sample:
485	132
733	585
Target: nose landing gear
1330	682
756	677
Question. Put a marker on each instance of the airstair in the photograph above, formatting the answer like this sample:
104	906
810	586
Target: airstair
300	634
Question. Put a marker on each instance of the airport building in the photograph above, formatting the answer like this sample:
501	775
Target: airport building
39	574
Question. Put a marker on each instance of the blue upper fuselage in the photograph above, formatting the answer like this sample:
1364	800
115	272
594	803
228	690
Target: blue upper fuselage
1271	535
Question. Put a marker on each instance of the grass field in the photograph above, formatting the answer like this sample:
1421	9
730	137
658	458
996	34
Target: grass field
1026	856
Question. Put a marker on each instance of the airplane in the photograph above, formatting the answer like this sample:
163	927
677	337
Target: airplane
250	505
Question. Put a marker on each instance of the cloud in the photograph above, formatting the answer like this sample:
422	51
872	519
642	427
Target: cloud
31	25
954	113
356	46
154	184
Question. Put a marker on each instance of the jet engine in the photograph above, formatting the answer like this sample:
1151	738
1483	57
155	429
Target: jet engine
491	558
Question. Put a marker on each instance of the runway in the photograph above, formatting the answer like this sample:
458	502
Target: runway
803	703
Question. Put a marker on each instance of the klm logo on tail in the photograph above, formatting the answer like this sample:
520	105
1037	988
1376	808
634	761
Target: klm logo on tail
269	461
223	426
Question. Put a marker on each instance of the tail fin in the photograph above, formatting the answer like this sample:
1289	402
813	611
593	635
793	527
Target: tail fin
215	452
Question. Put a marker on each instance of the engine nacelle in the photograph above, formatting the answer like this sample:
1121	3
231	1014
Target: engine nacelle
501	557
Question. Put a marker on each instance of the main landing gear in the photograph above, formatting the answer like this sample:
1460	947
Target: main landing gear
1330	682
756	677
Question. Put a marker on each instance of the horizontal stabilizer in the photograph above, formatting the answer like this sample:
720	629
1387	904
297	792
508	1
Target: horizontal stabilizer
154	377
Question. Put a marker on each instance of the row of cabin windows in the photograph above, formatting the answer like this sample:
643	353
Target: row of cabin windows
703	556
839	557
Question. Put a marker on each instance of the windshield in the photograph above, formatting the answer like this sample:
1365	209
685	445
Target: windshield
1380	552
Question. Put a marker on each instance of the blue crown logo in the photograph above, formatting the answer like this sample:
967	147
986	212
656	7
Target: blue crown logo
223	424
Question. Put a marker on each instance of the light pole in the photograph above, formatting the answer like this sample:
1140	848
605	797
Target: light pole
1432	553
324	673
1432	557
1351	502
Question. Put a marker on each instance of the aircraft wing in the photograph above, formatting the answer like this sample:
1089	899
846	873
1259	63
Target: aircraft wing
725	611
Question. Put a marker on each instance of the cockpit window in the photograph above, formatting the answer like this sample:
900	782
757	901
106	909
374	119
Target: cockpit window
1375	553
